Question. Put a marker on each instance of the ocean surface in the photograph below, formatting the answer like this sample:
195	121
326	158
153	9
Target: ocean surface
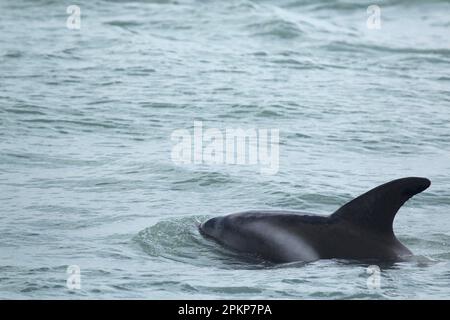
86	122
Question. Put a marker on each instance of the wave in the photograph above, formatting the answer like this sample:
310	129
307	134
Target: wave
178	240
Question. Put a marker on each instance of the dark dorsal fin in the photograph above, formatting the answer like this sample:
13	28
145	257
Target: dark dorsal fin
376	209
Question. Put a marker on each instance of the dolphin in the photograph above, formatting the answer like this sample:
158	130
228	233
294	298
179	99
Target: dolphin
359	230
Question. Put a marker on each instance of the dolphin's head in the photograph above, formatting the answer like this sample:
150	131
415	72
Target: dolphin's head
212	227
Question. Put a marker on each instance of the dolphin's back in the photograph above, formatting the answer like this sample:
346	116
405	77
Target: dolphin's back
272	235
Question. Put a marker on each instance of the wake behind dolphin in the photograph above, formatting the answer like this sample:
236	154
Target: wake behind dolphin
361	229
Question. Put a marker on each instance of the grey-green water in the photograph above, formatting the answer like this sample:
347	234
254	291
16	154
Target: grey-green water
86	117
